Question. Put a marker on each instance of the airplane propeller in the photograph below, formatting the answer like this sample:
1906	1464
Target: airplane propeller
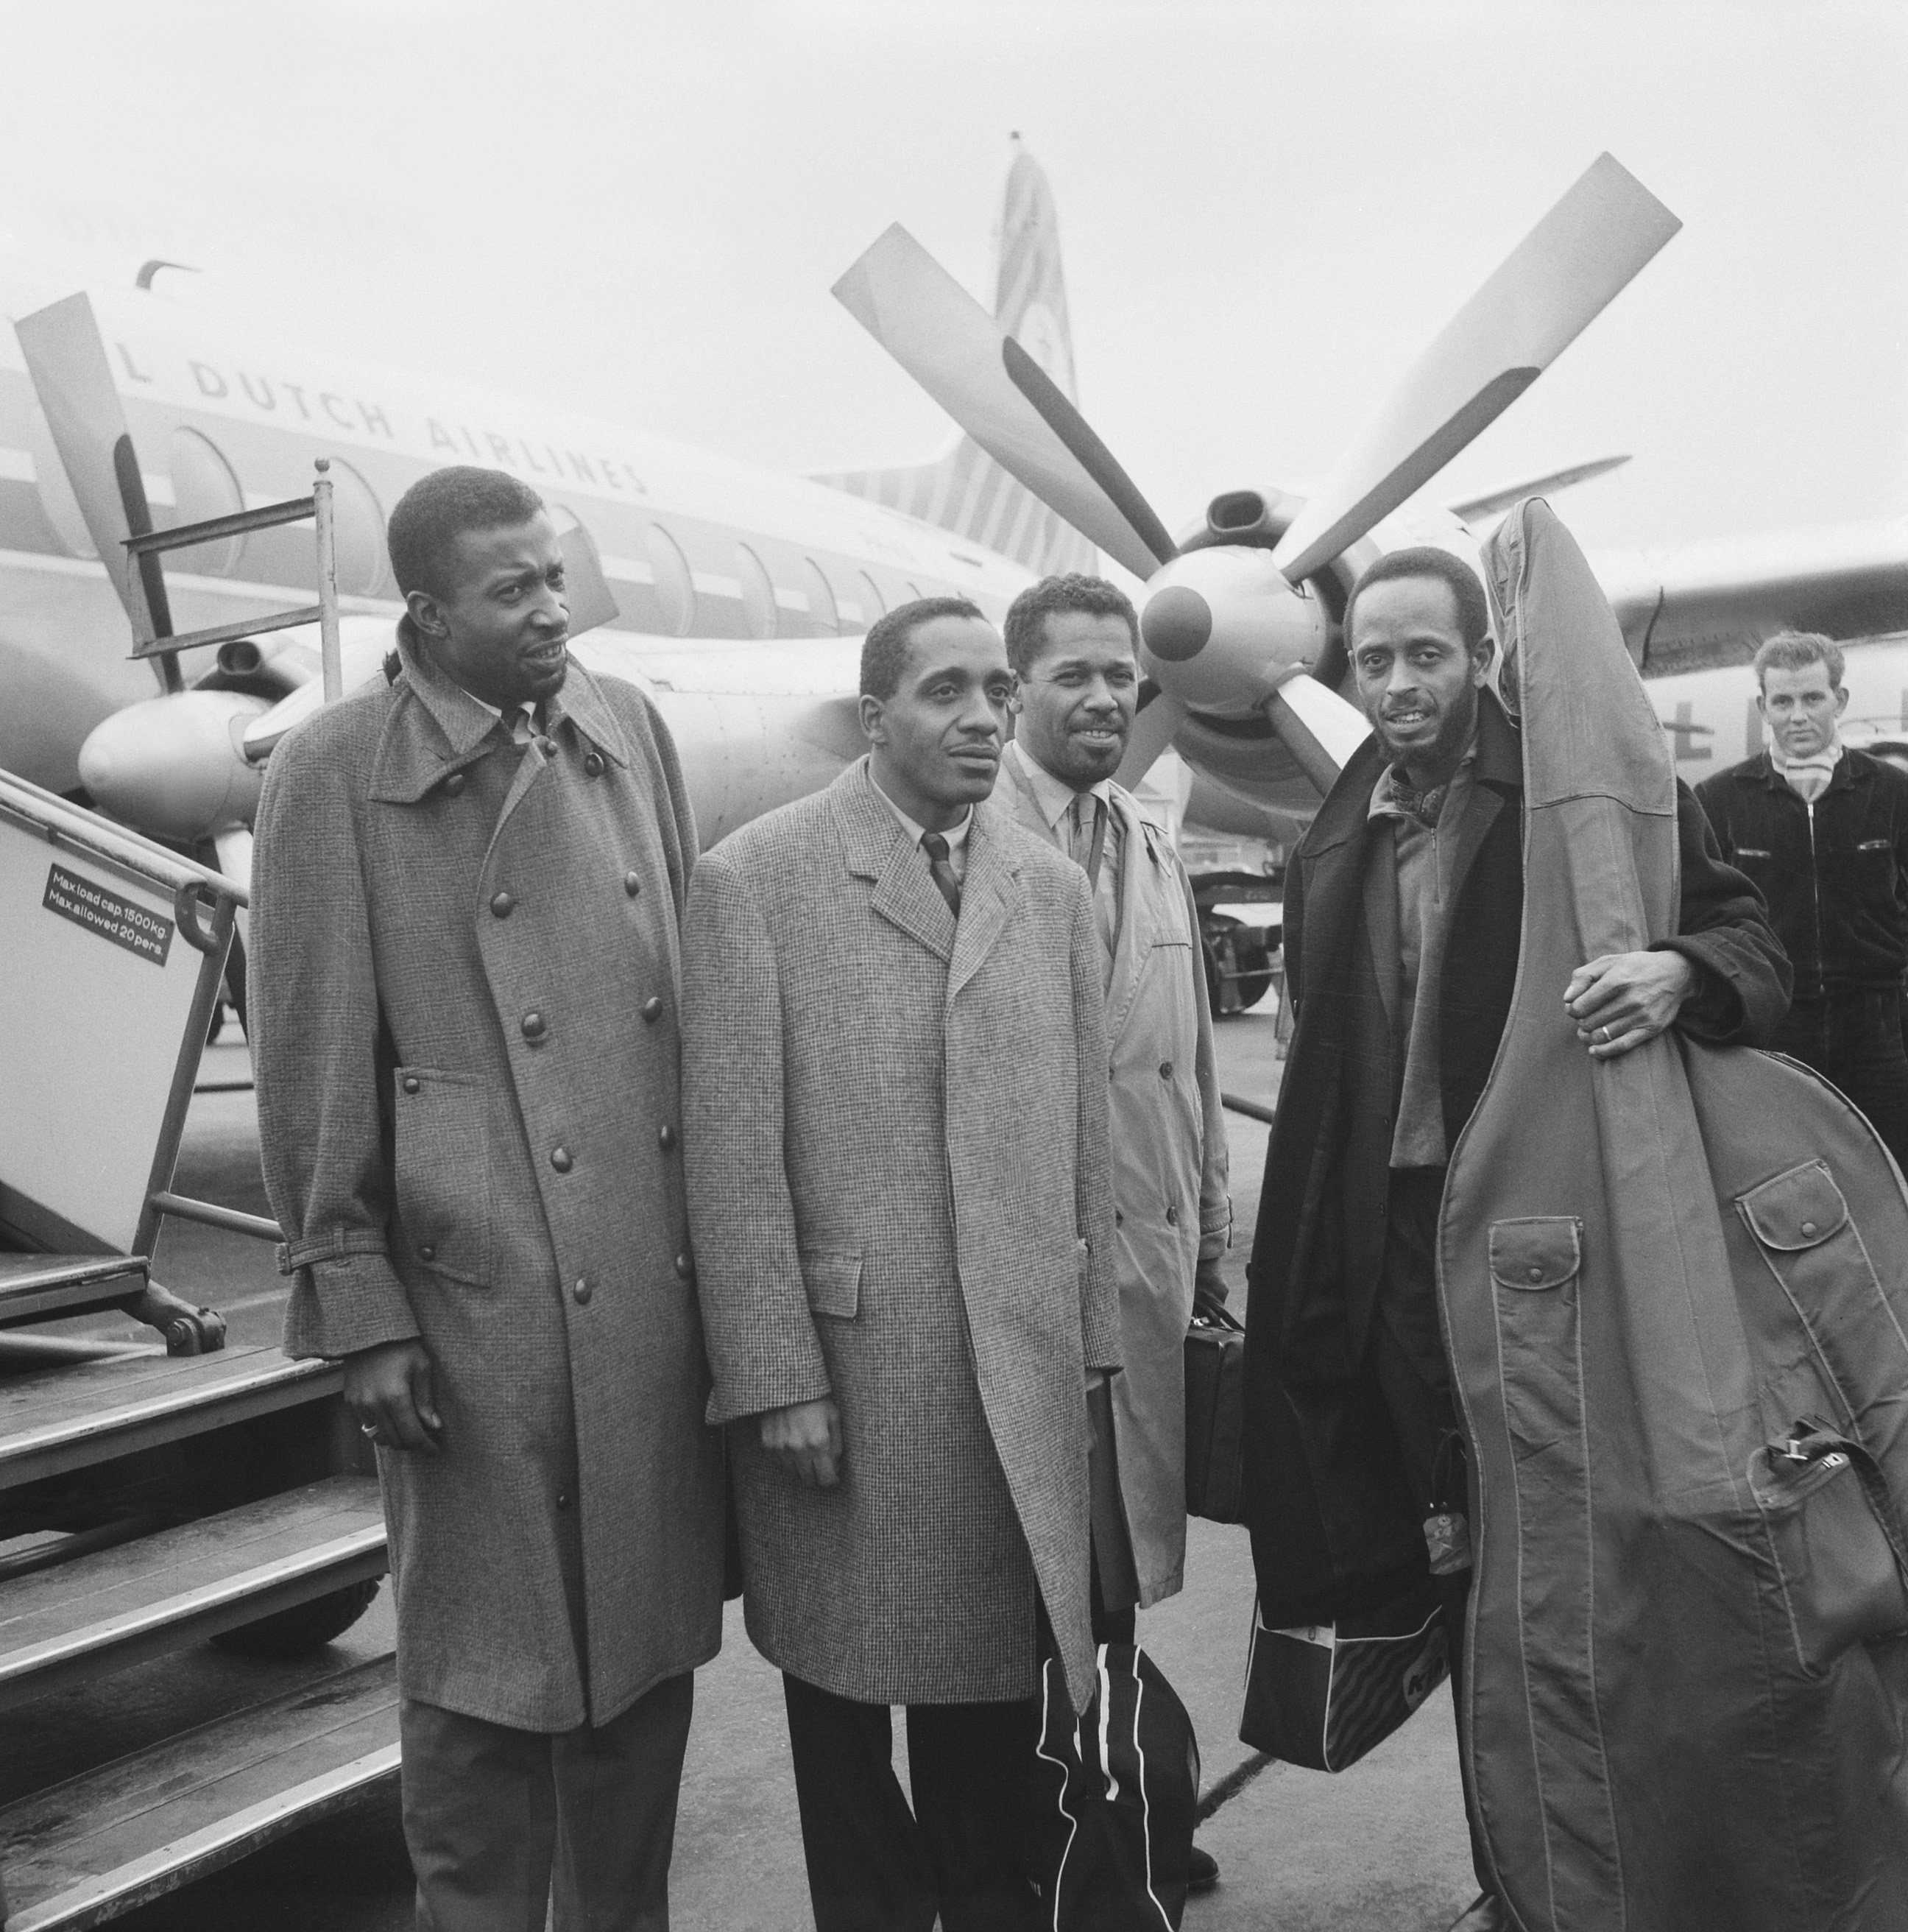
1228	627
66	361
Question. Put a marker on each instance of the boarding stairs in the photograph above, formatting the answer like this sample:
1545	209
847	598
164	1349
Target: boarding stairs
153	1495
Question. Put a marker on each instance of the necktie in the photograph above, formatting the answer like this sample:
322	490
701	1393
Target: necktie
938	863
1087	844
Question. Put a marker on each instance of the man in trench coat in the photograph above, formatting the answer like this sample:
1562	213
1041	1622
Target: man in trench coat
1404	905
465	992
896	1116
1072	641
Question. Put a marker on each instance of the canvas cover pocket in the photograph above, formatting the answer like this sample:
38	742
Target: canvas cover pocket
1841	1575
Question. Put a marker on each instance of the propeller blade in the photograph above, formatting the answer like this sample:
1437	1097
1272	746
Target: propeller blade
1544	294
66	360
1000	396
1153	730
1319	728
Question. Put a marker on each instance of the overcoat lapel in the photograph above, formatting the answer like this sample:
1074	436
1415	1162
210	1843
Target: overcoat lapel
988	898
1138	920
875	847
1380	875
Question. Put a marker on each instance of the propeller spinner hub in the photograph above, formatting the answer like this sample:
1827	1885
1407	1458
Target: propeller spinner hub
1220	627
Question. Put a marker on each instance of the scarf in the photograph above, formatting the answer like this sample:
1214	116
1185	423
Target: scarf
1807	777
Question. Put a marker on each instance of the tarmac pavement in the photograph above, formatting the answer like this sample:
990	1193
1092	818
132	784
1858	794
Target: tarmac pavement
1379	1848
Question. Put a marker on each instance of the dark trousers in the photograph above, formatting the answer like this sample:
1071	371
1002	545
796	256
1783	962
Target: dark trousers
1414	1376
1854	1039
876	1866
502	1824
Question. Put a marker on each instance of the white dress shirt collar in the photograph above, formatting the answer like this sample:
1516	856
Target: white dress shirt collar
957	837
1053	796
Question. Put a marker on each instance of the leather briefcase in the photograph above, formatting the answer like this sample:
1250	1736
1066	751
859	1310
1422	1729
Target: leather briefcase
1215	1415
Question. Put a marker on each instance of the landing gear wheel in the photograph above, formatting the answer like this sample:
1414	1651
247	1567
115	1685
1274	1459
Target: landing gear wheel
302	1629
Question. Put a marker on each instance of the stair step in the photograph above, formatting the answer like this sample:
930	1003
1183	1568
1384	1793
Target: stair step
119	1606
101	1844
34	1287
57	1420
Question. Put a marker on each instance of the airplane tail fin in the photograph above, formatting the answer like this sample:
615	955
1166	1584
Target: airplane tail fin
963	489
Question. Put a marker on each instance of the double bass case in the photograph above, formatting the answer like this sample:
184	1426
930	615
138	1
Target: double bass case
1675	1285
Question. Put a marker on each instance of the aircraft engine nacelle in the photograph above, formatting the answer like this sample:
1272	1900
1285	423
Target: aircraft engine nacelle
175	767
743	755
1219	625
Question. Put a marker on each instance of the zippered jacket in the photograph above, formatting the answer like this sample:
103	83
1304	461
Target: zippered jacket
1835	877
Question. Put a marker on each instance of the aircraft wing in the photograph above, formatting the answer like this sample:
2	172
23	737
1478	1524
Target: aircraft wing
1712	603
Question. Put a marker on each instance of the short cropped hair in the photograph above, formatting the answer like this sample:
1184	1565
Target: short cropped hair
884	649
437	509
1426	560
1796	650
1026	628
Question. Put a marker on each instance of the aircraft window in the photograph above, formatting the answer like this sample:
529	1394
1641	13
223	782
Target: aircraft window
358	531
872	606
203	486
675	589
758	593
56	497
823	617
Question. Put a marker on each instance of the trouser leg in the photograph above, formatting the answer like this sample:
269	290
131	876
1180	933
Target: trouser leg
1408	1360
965	1762
868	1865
1871	1067
616	1788
480	1820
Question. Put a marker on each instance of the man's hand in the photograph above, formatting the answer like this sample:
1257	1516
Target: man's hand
1209	1288
805	1438
387	1391
1623	999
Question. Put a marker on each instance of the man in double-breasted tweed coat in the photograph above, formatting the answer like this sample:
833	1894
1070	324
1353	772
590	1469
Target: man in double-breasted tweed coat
896	1132
468	880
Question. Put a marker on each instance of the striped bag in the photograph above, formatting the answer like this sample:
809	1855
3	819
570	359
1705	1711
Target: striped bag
1323	1697
1107	1813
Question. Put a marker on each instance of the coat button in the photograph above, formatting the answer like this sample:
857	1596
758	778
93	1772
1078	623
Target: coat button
533	1025
685	1267
548	746
559	1159
412	1084
652	1008
1166	1069
1808	1227
426	1253
502	904
1537	1274
593	765
632	883
666	1137
1172	1217
454	784
582	1292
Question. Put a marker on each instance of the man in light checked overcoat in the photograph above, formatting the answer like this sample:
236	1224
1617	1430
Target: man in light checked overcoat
895	1113
467	883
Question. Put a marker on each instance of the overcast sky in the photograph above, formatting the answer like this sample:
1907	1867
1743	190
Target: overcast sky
637	210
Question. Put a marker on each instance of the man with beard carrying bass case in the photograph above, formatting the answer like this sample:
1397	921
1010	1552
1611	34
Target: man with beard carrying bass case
1675	1288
